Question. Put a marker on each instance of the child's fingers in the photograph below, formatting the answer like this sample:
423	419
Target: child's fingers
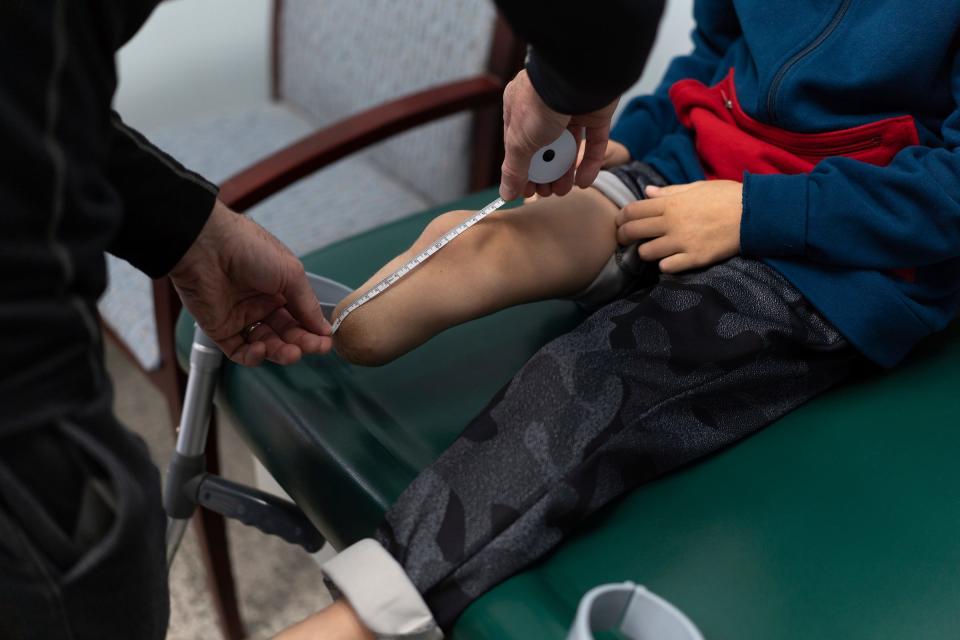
642	229
672	190
677	262
659	248
640	209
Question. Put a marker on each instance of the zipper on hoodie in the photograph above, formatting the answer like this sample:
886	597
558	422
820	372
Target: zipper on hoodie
800	55
820	149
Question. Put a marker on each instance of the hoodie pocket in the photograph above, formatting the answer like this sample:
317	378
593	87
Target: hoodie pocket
730	142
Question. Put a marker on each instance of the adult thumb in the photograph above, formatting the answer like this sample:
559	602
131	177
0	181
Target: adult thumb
518	150
303	305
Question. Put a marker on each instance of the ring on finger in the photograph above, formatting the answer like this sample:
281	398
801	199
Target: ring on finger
249	329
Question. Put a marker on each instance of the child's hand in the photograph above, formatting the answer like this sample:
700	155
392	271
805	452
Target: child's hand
615	155
685	226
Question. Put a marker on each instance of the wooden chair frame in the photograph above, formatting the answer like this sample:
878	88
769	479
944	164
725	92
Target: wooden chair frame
481	93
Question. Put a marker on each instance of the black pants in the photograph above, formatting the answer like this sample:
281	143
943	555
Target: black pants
81	533
649	382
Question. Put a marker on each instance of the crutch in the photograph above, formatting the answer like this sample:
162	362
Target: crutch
188	484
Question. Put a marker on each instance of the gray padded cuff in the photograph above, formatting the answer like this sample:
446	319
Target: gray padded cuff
613	187
380	592
625	264
608	284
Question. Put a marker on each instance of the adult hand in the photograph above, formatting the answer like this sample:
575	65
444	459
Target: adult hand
615	155
685	226
529	124
236	273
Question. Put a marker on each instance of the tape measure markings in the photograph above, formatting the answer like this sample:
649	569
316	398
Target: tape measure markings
550	163
419	259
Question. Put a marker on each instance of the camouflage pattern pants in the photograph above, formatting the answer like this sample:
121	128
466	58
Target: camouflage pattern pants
670	373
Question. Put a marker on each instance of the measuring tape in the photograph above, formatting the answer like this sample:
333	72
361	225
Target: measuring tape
549	164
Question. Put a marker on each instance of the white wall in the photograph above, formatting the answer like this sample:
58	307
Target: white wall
193	58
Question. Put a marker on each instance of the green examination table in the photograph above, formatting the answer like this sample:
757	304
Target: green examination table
841	520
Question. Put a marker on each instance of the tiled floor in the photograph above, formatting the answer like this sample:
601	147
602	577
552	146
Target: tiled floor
277	583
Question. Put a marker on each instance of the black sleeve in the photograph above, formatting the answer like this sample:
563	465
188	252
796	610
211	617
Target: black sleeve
584	54
165	205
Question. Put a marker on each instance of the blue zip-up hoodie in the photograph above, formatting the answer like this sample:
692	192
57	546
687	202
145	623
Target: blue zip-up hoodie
873	242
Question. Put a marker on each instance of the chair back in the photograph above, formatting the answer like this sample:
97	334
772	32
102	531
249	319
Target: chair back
334	58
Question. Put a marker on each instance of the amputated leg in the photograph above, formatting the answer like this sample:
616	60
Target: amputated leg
547	249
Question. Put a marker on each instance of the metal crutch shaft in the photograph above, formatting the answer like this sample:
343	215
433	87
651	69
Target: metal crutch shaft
188	458
188	484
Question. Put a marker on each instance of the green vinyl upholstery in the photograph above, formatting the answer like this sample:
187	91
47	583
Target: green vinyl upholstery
842	520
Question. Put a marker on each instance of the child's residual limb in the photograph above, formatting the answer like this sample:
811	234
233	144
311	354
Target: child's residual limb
188	484
549	164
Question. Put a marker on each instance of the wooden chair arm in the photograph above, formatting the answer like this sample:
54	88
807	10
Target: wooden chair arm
317	150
